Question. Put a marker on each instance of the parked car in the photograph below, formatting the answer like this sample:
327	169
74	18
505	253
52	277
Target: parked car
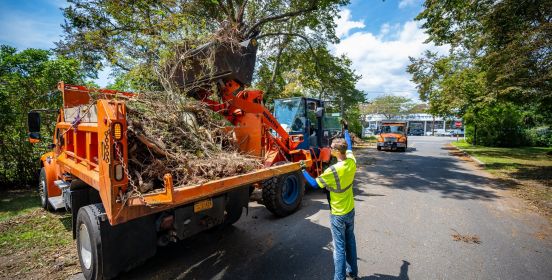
440	132
456	132
416	132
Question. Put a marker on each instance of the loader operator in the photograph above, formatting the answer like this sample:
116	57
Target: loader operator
337	180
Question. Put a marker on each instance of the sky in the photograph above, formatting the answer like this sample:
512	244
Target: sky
378	36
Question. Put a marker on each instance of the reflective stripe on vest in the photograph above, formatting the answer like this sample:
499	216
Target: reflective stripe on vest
337	182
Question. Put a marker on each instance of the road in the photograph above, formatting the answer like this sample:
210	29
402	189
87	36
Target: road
408	206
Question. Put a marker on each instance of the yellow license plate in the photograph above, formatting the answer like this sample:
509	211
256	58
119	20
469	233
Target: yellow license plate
203	205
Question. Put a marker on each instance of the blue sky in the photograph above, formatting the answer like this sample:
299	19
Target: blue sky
378	36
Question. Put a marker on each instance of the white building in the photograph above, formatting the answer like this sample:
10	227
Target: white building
425	122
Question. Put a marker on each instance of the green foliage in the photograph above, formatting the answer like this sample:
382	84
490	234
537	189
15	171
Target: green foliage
539	136
28	81
505	42
499	125
497	74
137	38
390	106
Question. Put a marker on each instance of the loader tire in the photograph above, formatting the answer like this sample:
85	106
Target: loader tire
282	195
43	191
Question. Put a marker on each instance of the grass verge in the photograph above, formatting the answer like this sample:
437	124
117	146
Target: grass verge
34	243
529	168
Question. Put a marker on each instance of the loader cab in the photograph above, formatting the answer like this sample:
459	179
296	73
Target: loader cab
301	115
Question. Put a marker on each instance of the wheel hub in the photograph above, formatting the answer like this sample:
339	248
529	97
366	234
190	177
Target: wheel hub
85	246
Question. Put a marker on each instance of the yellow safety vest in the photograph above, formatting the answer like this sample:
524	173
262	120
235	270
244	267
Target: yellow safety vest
338	180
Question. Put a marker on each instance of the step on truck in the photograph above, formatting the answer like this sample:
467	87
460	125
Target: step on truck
116	227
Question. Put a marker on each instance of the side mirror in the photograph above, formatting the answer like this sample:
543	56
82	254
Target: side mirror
33	120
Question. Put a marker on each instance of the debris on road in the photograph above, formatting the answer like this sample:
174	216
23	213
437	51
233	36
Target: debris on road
467	238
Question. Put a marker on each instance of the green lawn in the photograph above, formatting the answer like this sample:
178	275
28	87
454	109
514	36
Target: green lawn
535	160
15	203
33	240
531	167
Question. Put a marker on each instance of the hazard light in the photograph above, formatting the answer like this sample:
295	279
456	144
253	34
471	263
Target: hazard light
117	131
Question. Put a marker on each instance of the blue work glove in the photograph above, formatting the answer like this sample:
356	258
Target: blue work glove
348	140
309	179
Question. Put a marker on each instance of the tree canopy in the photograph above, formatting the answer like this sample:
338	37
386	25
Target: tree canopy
27	81
135	38
500	64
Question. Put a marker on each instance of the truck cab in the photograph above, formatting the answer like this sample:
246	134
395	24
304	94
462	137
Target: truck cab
306	116
392	135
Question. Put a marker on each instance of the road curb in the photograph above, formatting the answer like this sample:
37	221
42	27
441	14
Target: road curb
476	160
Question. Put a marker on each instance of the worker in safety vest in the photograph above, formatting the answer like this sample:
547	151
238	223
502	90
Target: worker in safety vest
337	180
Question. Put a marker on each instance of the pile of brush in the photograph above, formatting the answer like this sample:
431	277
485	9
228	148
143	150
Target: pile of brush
174	134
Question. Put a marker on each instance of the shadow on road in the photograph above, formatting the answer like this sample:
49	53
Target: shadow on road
403	274
428	173
261	247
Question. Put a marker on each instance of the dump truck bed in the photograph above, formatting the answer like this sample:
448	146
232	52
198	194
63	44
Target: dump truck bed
171	196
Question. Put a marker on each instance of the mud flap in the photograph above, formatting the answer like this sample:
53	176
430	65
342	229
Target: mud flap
127	245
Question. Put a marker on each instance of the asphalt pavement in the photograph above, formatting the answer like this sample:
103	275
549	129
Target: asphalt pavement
408	206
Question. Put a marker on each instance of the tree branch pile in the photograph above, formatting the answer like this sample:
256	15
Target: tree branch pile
167	134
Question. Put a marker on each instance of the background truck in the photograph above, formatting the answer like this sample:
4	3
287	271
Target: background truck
392	135
116	229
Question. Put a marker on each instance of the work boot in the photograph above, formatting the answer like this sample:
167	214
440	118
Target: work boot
352	277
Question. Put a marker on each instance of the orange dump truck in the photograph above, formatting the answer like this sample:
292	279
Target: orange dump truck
117	228
392	135
86	174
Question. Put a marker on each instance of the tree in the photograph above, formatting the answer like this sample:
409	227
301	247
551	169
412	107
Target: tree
136	37
28	81
507	41
390	106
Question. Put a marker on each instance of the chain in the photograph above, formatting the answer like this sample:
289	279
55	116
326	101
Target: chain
134	188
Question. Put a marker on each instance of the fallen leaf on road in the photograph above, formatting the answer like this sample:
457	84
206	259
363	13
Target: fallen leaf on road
468	238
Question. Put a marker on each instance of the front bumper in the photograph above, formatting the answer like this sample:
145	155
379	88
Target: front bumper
392	145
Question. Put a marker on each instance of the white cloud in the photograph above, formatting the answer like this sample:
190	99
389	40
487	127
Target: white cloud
406	3
382	58
345	24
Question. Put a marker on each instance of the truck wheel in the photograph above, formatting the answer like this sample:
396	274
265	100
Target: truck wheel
379	148
105	250
89	242
43	190
282	195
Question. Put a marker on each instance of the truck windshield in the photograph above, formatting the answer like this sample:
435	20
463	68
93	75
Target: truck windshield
392	129
290	113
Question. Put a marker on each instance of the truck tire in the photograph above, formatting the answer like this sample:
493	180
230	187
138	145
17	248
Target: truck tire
89	241
43	190
282	195
379	148
104	250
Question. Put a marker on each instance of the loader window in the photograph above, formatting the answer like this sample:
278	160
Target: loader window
290	113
